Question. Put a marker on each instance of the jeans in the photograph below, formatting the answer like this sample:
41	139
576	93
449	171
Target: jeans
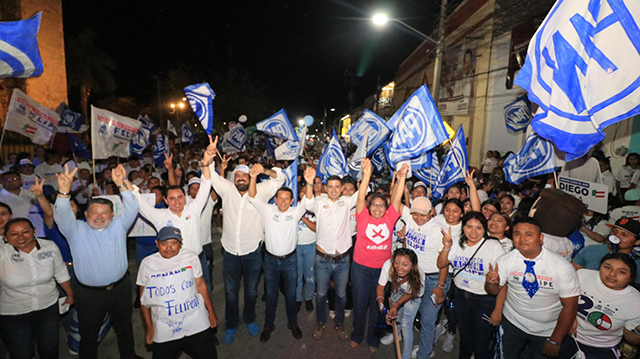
197	346
244	268
514	341
475	332
306	255
21	331
365	282
569	349
207	249
325	269
429	314
406	316
273	270
206	275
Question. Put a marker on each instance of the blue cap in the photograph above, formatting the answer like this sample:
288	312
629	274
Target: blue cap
167	233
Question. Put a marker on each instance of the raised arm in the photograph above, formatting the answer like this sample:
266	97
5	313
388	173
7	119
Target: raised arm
309	177
255	171
396	197
44	203
63	215
168	164
130	205
208	156
367	169
473	192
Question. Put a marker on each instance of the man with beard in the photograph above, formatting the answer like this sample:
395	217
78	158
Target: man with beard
242	239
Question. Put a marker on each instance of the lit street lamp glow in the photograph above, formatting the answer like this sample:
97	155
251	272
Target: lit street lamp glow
301	122
380	19
181	105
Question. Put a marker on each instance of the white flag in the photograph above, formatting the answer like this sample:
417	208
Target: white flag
111	133
171	128
29	118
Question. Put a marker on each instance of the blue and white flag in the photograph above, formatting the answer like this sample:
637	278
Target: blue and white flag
517	114
112	134
332	161
452	168
582	70
19	54
417	163
430	173
373	124
69	118
270	144
171	128
417	127
31	119
535	158
291	181
378	159
200	98
161	147
143	139
77	147
355	162
279	126
238	137
187	135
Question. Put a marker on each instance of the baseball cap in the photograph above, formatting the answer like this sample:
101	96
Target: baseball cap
627	224
630	195
241	168
26	161
419	184
420	205
193	180
167	233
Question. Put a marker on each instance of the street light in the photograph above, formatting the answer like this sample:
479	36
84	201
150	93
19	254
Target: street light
380	19
174	109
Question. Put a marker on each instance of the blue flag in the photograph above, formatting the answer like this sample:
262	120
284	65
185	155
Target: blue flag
19	54
582	70
372	124
270	144
279	126
143	139
160	149
517	114
200	98
417	127
535	158
77	147
187	134
355	163
238	137
417	163
452	168
378	159
332	161
430	173
291	181
69	118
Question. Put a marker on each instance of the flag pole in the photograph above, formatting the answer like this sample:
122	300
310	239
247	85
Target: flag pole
93	151
4	128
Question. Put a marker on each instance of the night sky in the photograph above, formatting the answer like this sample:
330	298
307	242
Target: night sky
298	50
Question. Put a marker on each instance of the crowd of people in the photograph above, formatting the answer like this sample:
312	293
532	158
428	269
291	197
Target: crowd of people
526	270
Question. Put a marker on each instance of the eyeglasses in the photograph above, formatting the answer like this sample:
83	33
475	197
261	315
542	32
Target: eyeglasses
378	204
12	179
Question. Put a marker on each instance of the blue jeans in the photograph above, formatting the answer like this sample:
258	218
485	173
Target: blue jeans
325	269
244	268
273	269
306	254
475	332
429	314
20	332
206	275
365	281
406	317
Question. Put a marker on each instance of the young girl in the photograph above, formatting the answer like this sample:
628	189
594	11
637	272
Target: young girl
499	225
407	286
626	172
508	204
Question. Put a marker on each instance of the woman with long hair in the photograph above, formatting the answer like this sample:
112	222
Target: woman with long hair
499	226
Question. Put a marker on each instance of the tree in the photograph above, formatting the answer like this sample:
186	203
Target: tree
89	69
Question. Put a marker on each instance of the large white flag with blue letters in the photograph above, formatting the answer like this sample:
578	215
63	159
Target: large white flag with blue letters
417	127
376	128
535	158
111	133
455	165
279	126
200	98
19	54
332	161
29	118
582	69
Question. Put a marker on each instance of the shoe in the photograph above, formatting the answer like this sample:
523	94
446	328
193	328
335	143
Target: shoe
298	306
295	330
317	334
266	334
387	339
309	305
447	346
440	330
332	314
347	313
414	352
342	332
254	329
229	335
73	352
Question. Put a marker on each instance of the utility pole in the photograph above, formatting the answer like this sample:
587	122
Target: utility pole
437	66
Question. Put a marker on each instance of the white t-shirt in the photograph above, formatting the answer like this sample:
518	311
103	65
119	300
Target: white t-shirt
625	175
482	195
48	173
561	245
586	169
280	228
170	291
472	278
353	224
506	243
604	312
424	240
557	279
404	287
305	235
609	181
636	178
28	181
489	164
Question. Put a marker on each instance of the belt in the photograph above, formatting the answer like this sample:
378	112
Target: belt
105	287
280	258
333	258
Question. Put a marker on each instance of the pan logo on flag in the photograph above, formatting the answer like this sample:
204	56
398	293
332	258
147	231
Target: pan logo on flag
408	129
277	129
103	130
21	109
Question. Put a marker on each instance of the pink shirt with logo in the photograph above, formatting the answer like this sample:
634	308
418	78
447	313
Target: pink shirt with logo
374	237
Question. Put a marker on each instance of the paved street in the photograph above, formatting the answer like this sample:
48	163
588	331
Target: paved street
281	344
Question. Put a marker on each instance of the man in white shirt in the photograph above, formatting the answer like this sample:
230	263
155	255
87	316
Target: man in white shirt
26	172
332	251
12	194
542	296
281	225
49	168
242	237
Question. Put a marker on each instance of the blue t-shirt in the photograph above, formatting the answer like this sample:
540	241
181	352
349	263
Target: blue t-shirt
590	257
54	235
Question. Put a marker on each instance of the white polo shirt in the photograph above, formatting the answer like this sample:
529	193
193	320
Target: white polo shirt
205	225
333	228
27	279
280	229
20	204
189	222
557	279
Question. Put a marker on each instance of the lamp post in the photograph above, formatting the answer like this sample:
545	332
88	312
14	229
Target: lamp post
174	109
382	19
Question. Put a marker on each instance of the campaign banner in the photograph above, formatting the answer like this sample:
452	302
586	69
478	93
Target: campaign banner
111	133
593	195
29	118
